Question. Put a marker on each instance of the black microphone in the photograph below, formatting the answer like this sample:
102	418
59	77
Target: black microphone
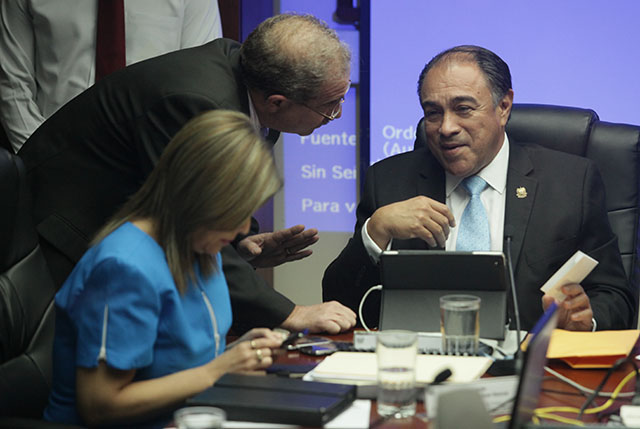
508	366
442	376
438	379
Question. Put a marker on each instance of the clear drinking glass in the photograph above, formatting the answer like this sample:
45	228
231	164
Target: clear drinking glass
199	418
396	352
460	324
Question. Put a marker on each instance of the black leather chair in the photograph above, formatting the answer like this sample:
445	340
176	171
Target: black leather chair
614	148
26	302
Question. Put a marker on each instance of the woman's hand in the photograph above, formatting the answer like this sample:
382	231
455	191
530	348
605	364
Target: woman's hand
252	351
107	395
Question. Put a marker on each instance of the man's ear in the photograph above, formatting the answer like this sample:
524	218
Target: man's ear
275	102
505	106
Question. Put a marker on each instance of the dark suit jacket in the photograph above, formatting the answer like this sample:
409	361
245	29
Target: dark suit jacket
564	211
87	158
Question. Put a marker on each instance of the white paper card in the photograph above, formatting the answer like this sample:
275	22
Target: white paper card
354	417
630	415
497	393
573	271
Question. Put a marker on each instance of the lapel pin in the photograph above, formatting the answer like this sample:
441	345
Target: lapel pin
521	192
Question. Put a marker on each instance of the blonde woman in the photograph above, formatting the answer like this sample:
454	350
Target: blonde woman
142	319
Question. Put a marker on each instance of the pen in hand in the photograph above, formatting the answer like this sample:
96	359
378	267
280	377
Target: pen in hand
293	337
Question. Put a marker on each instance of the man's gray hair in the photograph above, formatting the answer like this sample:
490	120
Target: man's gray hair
293	55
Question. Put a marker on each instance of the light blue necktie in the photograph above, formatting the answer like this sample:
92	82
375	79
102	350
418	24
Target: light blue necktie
474	224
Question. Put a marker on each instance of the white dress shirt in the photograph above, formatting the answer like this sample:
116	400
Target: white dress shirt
48	49
493	198
253	115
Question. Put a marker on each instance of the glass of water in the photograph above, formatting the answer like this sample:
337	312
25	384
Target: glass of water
460	324
396	352
199	418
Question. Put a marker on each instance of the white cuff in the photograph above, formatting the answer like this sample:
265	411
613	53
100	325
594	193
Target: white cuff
594	325
372	248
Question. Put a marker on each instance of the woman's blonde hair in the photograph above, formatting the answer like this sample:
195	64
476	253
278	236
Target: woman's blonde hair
215	172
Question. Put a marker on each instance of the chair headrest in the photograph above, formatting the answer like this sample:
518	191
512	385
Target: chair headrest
18	236
556	127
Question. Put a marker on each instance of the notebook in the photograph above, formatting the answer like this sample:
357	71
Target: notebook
414	280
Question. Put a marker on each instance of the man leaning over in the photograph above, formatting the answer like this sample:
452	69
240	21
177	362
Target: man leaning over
290	75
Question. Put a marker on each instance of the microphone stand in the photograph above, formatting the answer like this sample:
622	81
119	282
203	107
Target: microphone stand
510	366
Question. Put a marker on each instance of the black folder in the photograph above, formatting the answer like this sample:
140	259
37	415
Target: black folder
273	399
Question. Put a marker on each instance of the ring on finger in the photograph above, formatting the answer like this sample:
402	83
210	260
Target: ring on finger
253	344
259	354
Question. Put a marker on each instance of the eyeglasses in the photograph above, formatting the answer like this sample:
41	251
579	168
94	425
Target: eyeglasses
334	112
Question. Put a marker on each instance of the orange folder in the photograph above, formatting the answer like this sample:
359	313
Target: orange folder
599	349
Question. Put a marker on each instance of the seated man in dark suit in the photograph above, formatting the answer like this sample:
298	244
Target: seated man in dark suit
290	75
551	203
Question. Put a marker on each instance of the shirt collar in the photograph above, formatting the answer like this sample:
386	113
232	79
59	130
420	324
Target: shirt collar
254	117
494	173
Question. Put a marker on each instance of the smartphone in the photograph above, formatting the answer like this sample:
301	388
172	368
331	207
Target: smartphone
293	337
307	342
319	349
328	348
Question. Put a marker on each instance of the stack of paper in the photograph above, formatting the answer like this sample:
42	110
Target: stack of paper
362	367
591	349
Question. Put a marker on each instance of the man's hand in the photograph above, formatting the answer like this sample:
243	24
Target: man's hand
418	217
331	317
270	249
574	313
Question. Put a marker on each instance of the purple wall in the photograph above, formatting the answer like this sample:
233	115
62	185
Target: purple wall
581	53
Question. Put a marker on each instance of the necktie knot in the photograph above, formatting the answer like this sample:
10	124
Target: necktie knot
474	185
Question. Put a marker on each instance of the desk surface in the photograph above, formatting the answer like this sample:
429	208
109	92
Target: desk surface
555	392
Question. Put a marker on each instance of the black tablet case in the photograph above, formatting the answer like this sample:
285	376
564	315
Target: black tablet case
273	399
414	280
